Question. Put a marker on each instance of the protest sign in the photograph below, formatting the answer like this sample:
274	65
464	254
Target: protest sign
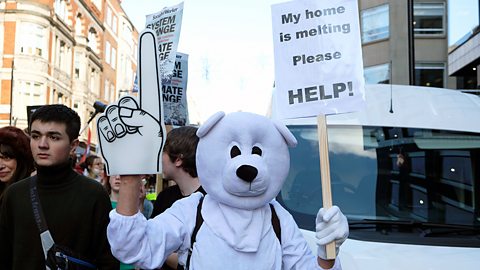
318	57
131	131
318	68
166	24
174	93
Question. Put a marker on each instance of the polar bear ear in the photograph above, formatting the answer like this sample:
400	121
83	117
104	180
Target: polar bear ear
287	135
212	121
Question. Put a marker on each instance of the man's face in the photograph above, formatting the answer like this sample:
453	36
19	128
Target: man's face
169	168
50	143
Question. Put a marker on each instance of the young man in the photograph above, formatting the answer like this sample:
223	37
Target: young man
178	165
75	207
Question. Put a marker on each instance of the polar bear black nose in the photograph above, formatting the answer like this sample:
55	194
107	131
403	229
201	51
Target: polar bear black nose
247	173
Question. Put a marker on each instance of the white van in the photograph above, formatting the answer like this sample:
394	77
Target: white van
406	173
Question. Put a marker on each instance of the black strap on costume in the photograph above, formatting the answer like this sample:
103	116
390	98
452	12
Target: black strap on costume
276	224
37	208
199	221
198	224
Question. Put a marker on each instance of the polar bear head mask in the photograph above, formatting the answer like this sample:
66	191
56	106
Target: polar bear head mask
243	158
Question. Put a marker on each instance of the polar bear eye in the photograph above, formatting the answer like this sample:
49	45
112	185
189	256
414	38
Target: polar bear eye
256	151
235	151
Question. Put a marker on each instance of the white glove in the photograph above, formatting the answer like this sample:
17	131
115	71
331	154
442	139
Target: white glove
331	225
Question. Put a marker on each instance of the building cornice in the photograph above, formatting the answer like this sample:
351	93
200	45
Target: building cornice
58	24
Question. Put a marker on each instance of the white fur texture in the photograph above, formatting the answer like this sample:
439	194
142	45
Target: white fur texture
248	132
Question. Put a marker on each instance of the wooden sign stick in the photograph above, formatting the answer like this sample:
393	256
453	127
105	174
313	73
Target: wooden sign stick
325	174
159	182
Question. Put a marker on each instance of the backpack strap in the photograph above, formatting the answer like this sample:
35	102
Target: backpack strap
46	238
199	222
276	224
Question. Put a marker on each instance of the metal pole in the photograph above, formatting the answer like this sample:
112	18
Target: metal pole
11	93
411	43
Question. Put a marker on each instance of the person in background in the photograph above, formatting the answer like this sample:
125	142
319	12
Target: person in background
75	208
113	187
178	165
94	167
146	205
16	161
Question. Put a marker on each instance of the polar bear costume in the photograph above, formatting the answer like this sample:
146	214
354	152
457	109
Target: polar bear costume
242	162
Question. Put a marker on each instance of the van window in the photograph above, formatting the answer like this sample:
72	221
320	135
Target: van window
388	174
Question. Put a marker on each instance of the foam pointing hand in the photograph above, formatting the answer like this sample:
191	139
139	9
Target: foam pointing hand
132	134
331	225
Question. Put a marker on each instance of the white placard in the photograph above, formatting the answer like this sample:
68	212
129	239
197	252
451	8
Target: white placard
318	58
175	93
166	24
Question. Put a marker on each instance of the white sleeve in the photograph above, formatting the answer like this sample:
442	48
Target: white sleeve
296	253
147	243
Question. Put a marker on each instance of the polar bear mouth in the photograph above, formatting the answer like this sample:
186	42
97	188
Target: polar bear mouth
247	181
249	191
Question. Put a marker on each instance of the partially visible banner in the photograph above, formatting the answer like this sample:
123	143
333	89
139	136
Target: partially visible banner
167	25
175	93
135	85
30	110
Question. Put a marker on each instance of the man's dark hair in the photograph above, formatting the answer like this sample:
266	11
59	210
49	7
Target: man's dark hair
182	143
60	114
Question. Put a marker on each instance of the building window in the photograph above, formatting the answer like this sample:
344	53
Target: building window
62	52
92	40
114	24
98	4
32	39
61	9
110	54
429	18
430	74
60	98
78	25
109	16
94	81
111	20
114	58
106	90
377	74
128	35
112	93
77	64
375	23
107	52
27	93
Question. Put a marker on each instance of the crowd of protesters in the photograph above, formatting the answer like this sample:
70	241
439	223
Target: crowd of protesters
54	209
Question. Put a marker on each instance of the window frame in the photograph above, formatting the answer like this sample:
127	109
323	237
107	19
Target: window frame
372	68
379	11
434	31
431	66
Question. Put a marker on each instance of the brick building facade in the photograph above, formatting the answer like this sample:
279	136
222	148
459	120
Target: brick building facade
73	52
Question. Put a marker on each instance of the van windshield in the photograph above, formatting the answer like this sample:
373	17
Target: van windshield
387	173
